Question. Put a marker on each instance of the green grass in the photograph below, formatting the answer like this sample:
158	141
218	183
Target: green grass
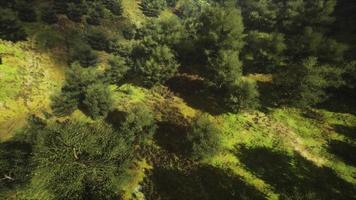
28	79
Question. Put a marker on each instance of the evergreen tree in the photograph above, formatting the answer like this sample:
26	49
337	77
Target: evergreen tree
98	100
115	6
74	89
223	68
80	160
117	70
152	8
220	34
156	65
26	13
49	16
304	84
241	95
138	125
10	28
84	55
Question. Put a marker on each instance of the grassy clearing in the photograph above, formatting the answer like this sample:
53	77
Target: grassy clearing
28	79
281	154
132	11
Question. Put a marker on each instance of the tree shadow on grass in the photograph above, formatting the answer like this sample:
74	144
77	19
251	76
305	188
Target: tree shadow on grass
295	177
347	131
342	100
173	138
196	93
115	118
206	182
344	151
15	166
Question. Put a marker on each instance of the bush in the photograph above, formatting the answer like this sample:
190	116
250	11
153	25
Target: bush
138	125
241	95
98	100
152	8
204	137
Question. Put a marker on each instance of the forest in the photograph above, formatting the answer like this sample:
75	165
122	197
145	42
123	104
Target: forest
178	99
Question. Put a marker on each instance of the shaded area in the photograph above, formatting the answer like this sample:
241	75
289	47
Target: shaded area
268	96
115	118
341	101
196	93
347	131
343	150
203	183
15	166
173	138
295	177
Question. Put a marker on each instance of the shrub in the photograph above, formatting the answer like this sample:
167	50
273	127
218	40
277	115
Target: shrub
204	137
241	95
138	125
